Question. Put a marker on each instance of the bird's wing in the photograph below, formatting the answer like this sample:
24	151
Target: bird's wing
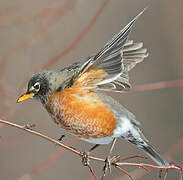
108	69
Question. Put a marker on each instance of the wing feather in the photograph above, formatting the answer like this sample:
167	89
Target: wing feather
113	62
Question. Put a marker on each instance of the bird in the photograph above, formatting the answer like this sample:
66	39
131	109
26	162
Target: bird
75	97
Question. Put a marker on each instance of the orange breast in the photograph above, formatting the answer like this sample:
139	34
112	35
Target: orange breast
81	112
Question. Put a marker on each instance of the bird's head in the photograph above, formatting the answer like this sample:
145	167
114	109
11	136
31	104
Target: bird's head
42	84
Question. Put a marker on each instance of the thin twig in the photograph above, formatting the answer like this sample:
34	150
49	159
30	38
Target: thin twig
131	157
165	176
49	139
40	135
47	23
157	85
77	39
71	46
125	172
172	166
151	86
180	175
92	171
175	148
51	158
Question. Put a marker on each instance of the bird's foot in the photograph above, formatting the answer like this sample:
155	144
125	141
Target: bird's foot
29	126
85	159
108	162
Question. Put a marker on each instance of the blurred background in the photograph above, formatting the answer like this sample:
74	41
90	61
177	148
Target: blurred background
50	34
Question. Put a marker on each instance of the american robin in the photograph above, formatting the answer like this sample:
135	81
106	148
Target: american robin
75	99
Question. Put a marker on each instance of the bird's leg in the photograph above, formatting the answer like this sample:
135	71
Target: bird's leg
85	160
84	155
109	160
94	147
61	137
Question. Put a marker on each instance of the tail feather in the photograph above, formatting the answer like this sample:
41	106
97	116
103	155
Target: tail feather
156	157
136	137
133	54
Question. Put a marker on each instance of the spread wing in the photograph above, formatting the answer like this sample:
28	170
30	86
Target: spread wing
108	69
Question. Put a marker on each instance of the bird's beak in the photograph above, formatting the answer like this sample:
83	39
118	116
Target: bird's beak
25	97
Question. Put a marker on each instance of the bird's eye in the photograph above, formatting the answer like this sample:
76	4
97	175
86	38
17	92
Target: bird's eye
37	86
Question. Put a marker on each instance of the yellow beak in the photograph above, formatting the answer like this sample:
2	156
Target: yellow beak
25	97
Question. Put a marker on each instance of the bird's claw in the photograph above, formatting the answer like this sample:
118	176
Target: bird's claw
108	162
29	126
106	167
85	160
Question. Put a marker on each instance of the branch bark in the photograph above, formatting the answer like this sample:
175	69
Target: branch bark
115	163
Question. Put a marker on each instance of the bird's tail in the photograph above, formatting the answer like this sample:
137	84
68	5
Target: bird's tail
156	157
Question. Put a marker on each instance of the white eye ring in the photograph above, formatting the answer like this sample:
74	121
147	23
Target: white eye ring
37	86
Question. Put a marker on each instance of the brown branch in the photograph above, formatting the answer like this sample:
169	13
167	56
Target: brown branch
178	146
138	88
25	128
82	34
147	167
131	157
92	172
86	29
124	172
71	46
157	85
115	163
3	98
45	23
47	17
52	157
142	165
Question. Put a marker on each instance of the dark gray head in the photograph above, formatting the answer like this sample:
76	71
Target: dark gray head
39	85
42	84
